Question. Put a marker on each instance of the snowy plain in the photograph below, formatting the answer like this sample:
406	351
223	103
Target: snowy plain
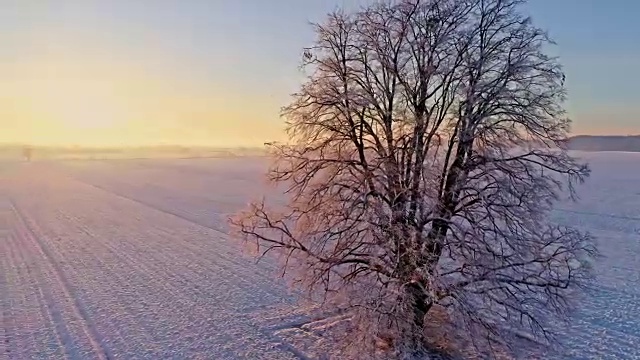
131	259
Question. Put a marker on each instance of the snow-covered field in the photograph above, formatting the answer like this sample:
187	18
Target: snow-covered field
130	259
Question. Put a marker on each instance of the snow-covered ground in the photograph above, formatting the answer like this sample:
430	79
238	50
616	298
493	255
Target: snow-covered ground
607	325
130	259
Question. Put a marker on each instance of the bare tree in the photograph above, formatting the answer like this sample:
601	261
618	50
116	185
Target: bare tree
427	149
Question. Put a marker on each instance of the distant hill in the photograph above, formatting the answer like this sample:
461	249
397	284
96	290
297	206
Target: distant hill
605	143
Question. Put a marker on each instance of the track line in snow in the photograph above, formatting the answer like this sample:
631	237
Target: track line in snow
6	318
147	204
49	313
224	235
196	269
240	278
183	285
32	317
28	234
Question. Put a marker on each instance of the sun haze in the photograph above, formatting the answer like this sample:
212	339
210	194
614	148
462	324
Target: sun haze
217	72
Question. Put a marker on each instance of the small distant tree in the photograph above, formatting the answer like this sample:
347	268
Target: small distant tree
427	147
27	153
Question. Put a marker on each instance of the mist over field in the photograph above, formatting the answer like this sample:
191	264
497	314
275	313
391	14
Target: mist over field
17	152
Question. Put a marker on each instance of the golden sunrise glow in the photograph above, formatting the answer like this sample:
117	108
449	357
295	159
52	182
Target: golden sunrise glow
79	99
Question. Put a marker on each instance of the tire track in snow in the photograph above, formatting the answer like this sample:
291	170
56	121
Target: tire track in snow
109	285
229	249
150	205
10	275
28	235
194	268
32	321
130	306
116	283
6	318
191	321
196	258
45	303
195	253
236	264
27	322
155	248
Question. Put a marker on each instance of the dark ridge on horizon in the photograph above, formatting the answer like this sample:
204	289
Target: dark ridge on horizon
626	143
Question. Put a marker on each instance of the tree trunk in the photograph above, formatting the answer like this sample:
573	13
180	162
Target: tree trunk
420	307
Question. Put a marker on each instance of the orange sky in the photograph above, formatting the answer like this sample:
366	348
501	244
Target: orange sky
74	99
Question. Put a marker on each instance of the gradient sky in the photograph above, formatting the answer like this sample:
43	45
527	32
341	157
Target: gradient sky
216	72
